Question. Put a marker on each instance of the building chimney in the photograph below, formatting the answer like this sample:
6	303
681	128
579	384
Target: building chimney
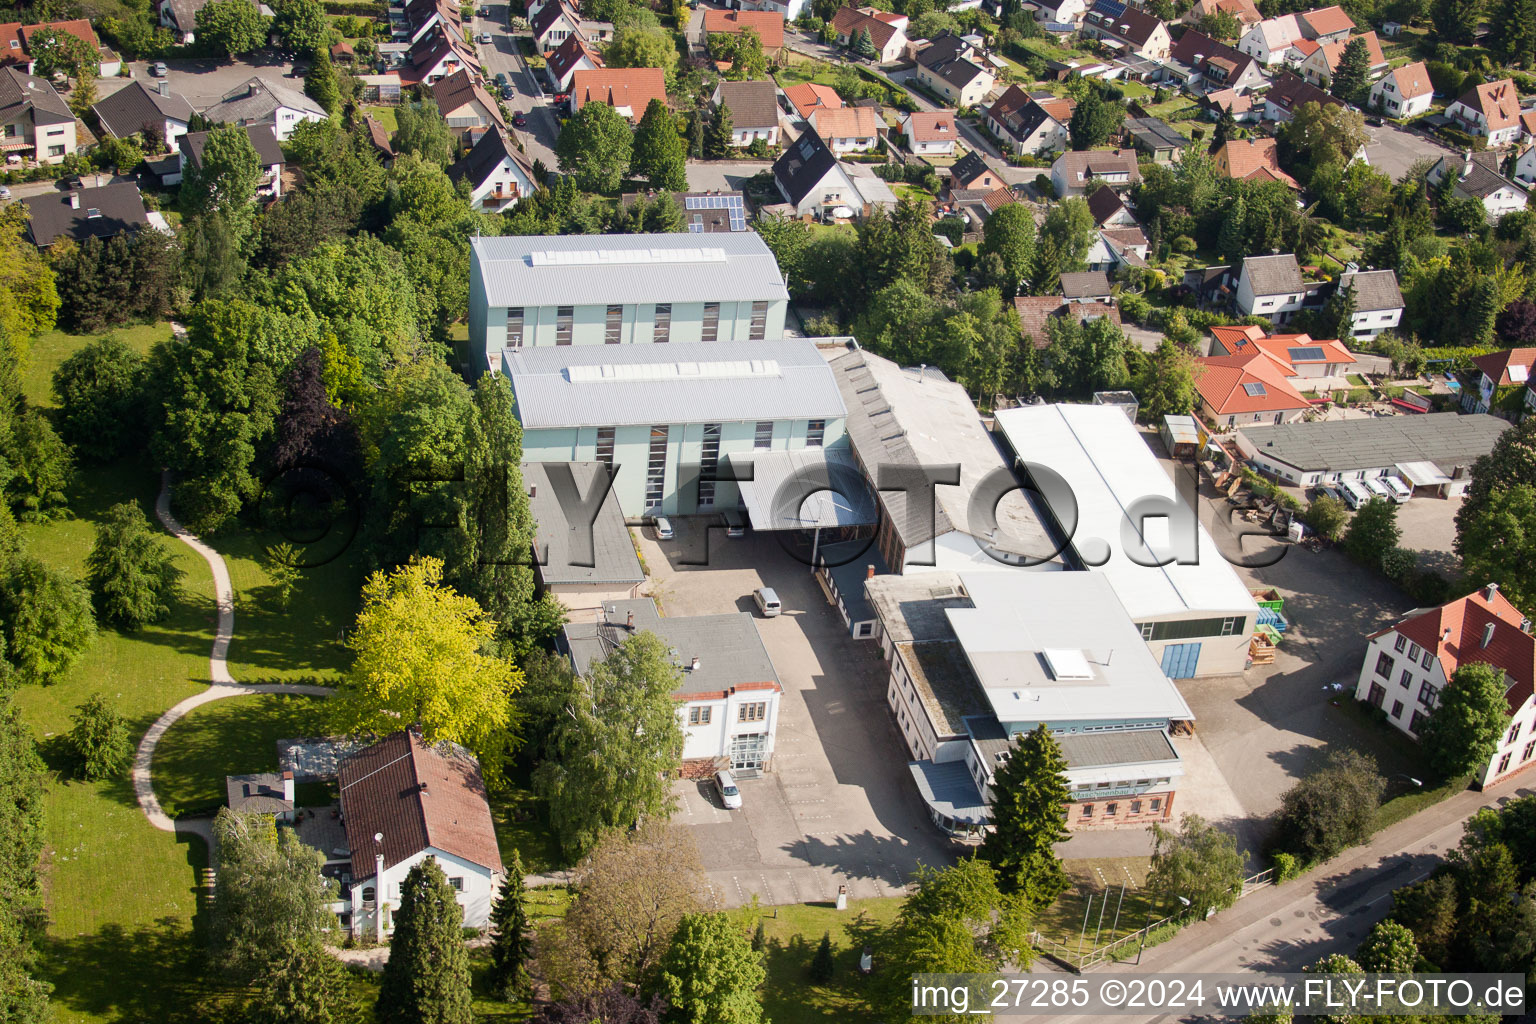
1488	634
629	620
74	200
164	87
1489	591
869	572
288	786
378	889
533	490
694	666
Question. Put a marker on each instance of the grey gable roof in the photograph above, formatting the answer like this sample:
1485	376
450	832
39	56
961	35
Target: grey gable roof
1155	133
1447	439
752	104
20	92
1084	284
803	165
958	72
268	152
730	651
1374	290
613	553
136	107
481	162
1273	275
258	100
118	207
968	168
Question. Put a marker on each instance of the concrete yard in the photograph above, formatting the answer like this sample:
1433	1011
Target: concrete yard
1393	150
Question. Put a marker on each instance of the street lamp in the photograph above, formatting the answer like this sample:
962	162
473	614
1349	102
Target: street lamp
1417	783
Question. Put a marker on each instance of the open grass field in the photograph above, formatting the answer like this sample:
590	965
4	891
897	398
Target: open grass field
793	933
383	113
51	349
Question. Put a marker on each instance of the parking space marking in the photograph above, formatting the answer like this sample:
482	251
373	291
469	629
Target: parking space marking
767	889
794	887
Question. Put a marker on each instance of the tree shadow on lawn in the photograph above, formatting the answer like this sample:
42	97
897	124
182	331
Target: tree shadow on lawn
790	996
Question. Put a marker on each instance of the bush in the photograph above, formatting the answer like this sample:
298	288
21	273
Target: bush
99	740
1043	185
1327	517
952	228
1134	308
1331	807
1427	587
1287	867
1398	564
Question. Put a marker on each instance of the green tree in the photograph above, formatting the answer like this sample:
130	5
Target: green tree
1095	120
822	964
1327	517
29	298
1325	133
1338	316
595	147
864	45
301	25
1029	798
224	178
511	935
1232	240
23	998
1331	807
717	135
1428	910
1513	34
1471	714
623	713
1372	532
659	155
638	45
710	974
421	129
131	574
1010	234
231	27
40	466
426	979
1221	25
419	658
1352	76
281	563
303	984
1389	948
53	50
1497	541
1199	862
320	82
268	892
1166	384
1456	21
99	740
47	620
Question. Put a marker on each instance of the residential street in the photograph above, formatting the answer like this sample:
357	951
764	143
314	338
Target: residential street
502	55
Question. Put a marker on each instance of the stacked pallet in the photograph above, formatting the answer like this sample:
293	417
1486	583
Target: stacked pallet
1261	650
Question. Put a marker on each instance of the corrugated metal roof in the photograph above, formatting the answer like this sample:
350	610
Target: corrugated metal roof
1447	439
712	381
636	269
849	501
1100	749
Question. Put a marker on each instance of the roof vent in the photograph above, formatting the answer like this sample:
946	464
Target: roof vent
1488	634
693	666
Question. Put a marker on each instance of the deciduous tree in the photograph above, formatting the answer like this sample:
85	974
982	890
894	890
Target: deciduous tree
1327	517
1332	807
47	620
1498	542
426	979
301	25
659	155
130	572
637	44
1029	797
421	129
1095	120
1389	948
1010	234
268	892
1199	862
1372	532
1166	385
595	146
1463	730
224	178
710	974
231	27
1428	909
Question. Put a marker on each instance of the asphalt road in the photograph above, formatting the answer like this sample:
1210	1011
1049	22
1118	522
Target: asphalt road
502	55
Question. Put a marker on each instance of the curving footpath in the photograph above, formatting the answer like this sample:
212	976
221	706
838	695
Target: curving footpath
222	683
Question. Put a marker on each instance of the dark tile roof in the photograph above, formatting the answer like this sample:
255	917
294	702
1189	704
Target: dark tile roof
1122	22
22	93
802	165
569	53
613	553
1481	180
752	104
453	91
549	14
958	72
485	156
136	107
968	168
1290	92
1374	290
1085	284
1195	48
945	46
1104	203
268	152
261	793
420	797
102	213
1154	133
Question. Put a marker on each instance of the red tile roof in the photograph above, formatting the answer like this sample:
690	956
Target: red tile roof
1280	347
1498	102
1221	379
420	797
1326	21
932	125
619	87
807	96
569	53
1454	632
769	25
1412	80
1251	158
1496	364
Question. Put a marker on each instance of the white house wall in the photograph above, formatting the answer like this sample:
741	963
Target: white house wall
477	892
714	739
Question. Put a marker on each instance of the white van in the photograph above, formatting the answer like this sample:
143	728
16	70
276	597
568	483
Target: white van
1354	494
767	602
1377	488
1399	490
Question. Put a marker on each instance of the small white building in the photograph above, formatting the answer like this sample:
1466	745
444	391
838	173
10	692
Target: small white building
1407	665
846	129
259	101
930	132
1378	301
152	110
1404	92
499	174
1478	177
402	801
728	695
813	182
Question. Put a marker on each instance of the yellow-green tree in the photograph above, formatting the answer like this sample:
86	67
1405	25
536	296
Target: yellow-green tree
421	660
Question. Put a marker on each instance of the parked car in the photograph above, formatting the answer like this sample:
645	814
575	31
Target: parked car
158	69
1355	494
501	78
1328	491
664	528
485	38
735	526
5	192
730	796
767	602
518	119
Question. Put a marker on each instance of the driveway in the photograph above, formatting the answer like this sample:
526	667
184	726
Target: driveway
723	175
838	806
1392	150
501	55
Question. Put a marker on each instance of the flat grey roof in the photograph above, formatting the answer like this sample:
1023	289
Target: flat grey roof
613	553
585	270
945	683
1447	439
949	789
911	608
730	651
849	567
846	500
711	381
1101	749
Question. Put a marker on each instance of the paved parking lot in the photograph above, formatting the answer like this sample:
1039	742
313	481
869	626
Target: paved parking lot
838	806
723	175
1392	150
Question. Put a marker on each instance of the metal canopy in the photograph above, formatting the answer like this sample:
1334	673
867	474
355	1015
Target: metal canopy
805	489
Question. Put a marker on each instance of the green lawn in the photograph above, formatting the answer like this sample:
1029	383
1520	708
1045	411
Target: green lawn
793	933
385	115
51	349
230	737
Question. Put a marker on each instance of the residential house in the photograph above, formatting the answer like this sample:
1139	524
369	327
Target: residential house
437	57
1246	388
1252	160
1037	311
584	561
846	129
808	96
404	800
269	157
790	10
259	101
180	16
673	419
1494	373
1528	124
18	43
573	55
1245	11
1087	286
1271	286
1078	173
154	112
1378	301
558	21
1289	93
1109	209
999	654
1478	177
1525	165
945	68
769	26
35	122
1409	664
1491	110
728	691
77	214
421	19
1155	138
1127	30
1215	65
261	793
537	291
973	172
977	205
465	104
1270	40
1118	247
887	32
627	90
708	213
1326	24
930	132
1059	14
812	181
754	110
1297	356
1320	60
1241	105
1404	92
1193	612
499	174
1030	125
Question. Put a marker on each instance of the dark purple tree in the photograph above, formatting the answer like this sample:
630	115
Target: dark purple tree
1517	324
610	1006
310	429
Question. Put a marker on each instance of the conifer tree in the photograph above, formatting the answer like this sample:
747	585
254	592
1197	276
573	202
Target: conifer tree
426	979
1029	798
510	947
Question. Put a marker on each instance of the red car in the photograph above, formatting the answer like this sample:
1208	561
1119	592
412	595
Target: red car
519	121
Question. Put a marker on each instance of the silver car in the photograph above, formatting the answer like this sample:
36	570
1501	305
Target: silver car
730	796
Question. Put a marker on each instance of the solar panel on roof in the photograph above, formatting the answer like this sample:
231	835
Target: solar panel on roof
1306	355
1254	389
